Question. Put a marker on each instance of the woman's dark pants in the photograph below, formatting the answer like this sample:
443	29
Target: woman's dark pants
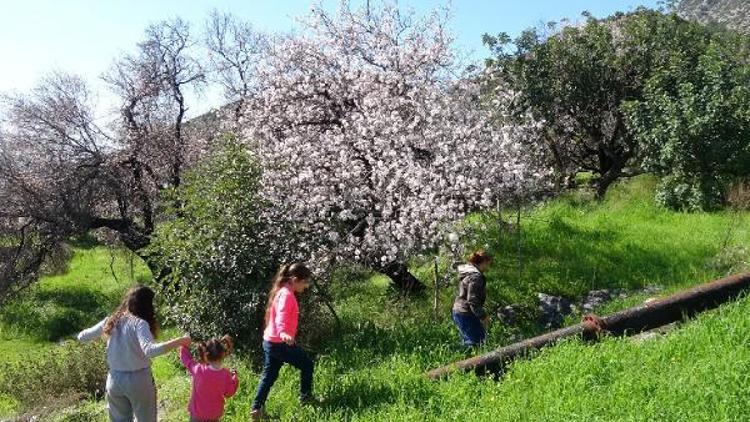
471	328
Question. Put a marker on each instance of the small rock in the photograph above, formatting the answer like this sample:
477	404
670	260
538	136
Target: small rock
553	310
655	333
645	336
508	315
597	298
650	290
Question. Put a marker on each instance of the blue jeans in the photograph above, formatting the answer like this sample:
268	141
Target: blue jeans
274	356
471	328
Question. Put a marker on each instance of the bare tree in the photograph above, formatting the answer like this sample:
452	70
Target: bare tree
62	174
235	52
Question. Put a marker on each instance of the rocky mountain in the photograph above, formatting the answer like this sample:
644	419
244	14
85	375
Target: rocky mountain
734	14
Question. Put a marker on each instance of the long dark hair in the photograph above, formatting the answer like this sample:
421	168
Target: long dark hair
282	276
139	301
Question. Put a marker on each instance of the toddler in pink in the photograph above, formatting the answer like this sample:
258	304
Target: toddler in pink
212	383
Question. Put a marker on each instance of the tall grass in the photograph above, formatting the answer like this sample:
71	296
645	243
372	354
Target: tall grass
570	247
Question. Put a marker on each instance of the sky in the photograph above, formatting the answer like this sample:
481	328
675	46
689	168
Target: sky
85	36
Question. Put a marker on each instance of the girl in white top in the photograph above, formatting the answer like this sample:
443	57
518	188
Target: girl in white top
130	332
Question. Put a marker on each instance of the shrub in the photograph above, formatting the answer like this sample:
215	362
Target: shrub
691	193
730	260
83	412
61	376
218	268
219	249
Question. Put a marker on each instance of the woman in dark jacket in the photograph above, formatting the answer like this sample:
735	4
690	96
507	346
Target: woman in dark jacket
468	308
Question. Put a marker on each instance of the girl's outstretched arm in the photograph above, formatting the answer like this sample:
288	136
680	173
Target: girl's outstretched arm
187	360
92	333
231	386
152	349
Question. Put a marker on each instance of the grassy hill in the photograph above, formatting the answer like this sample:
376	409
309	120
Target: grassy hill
372	369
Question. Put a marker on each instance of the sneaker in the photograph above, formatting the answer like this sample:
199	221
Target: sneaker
260	415
311	401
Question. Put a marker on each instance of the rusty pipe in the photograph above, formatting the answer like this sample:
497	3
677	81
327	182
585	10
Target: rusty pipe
630	321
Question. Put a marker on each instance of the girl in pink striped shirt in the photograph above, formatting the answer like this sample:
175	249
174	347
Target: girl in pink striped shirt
279	347
212	383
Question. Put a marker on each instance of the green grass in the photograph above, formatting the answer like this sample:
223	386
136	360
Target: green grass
699	372
570	248
59	305
372	368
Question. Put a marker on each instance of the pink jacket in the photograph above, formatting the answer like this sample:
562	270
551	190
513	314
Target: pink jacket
283	317
210	387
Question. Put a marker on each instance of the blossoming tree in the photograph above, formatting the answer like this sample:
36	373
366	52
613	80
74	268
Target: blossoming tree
373	140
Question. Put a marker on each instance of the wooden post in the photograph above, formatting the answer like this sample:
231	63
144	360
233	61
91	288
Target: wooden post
500	222
437	286
131	255
518	232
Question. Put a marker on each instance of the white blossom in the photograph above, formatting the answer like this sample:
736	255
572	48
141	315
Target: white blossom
371	138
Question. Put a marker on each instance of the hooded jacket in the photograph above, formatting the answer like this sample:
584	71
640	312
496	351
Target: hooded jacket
472	291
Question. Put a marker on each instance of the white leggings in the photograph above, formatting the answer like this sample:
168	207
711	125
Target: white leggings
131	394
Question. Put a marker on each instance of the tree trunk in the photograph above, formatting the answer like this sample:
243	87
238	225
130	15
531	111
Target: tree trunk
608	177
613	157
136	242
561	175
401	278
602	185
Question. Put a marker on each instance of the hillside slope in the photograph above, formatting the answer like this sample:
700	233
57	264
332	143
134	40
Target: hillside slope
734	14
372	368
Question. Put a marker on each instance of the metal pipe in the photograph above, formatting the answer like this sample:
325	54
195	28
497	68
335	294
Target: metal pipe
630	321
